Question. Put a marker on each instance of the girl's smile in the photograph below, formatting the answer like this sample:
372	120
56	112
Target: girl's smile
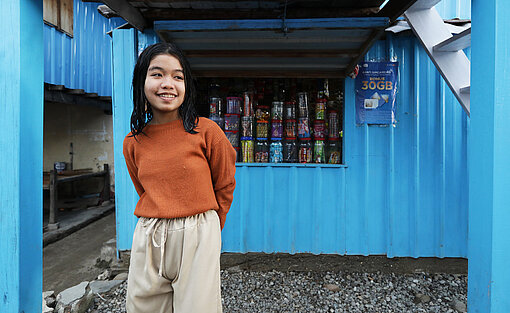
165	88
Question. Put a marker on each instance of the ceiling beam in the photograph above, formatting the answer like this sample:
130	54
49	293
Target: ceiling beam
131	14
269	73
221	14
396	8
376	34
236	25
271	53
61	96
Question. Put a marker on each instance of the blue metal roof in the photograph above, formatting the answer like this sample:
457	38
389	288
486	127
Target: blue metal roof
83	61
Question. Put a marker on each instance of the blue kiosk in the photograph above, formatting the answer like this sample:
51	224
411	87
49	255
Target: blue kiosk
437	180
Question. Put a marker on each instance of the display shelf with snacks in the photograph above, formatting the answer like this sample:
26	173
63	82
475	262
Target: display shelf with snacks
273	121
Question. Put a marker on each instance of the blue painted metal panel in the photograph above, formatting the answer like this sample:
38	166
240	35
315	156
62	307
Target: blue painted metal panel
489	152
450	9
83	61
21	107
287	208
124	59
401	194
405	186
145	39
424	176
359	22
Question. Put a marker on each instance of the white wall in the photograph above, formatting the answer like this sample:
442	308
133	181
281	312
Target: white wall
88	128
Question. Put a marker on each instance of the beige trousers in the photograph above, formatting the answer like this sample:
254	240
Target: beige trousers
175	265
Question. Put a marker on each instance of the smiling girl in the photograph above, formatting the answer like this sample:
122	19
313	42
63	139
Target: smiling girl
183	169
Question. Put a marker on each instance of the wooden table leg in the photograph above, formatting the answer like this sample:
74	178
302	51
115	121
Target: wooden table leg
52	224
106	188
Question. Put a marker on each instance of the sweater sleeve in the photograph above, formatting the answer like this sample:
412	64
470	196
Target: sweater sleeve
222	158
128	151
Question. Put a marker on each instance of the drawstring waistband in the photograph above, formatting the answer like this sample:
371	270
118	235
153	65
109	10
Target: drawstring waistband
153	225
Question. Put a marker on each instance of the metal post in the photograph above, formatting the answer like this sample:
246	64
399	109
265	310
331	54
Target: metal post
21	159
489	155
124	58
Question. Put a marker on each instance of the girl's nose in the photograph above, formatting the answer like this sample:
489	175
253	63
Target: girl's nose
167	83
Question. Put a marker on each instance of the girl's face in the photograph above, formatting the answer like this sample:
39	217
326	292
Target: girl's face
164	88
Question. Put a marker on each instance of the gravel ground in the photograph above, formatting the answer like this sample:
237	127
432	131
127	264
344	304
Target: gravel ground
275	291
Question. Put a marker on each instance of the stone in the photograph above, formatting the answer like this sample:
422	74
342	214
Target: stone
51	302
459	306
47	295
83	304
104	275
69	295
76	299
421	298
332	287
54	226
49	298
116	270
102	286
121	276
234	269
108	254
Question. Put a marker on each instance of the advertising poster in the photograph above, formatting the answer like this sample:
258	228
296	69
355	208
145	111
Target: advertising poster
376	89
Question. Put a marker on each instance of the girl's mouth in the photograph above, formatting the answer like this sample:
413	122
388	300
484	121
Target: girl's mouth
167	96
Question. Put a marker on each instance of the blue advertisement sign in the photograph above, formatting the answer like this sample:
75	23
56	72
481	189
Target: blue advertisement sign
376	88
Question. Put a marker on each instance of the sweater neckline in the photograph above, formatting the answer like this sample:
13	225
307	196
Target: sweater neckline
176	124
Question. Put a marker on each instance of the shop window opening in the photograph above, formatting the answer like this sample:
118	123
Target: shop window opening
277	120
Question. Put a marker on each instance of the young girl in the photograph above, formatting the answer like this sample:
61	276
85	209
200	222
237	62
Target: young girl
183	169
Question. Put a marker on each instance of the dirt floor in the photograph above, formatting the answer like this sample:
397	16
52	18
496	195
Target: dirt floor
72	259
327	262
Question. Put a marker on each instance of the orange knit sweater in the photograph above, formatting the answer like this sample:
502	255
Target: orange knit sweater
178	174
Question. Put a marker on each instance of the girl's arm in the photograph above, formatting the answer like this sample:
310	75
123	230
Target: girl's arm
128	150
222	158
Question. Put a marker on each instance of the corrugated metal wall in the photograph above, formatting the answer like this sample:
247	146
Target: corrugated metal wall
411	178
403	193
124	59
83	61
288	208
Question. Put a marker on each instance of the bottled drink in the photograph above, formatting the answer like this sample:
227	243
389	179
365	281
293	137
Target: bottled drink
276	151
261	151
319	155
333	151
305	150
290	150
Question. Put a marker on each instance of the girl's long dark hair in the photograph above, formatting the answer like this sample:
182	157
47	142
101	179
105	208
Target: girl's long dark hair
142	111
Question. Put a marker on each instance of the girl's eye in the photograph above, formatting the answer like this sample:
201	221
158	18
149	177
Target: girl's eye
156	74
179	77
